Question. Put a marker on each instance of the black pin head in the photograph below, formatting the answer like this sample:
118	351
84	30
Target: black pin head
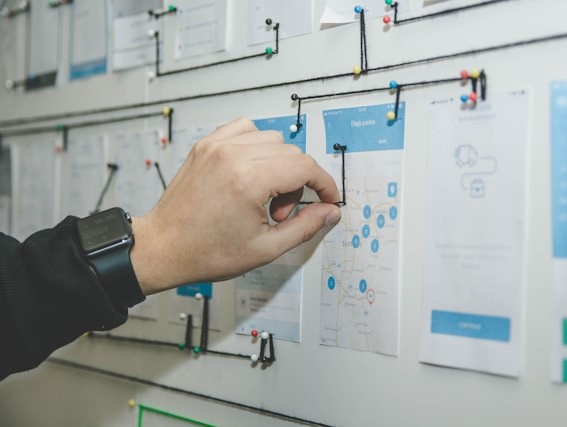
294	97
269	21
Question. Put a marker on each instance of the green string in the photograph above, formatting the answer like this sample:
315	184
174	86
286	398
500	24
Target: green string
169	415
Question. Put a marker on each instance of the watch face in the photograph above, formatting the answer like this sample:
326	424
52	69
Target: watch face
103	229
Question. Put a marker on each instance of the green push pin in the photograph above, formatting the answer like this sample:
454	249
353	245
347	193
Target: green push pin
181	346
196	350
172	8
59	126
388	2
269	51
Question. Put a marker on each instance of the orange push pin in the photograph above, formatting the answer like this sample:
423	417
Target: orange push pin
148	162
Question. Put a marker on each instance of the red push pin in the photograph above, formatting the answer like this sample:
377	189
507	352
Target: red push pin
254	333
464	74
473	97
386	19
163	140
148	162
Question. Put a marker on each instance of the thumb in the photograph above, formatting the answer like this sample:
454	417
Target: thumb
302	227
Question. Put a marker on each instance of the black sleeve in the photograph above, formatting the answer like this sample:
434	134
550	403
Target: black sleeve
49	296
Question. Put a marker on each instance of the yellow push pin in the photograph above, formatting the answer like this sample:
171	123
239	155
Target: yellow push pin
132	403
356	70
390	115
475	73
166	111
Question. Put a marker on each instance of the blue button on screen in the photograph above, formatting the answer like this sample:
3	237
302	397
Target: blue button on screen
470	325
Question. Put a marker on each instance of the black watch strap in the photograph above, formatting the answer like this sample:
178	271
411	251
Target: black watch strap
118	278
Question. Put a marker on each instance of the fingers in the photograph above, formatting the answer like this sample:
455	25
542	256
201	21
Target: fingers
290	173
281	206
231	129
302	227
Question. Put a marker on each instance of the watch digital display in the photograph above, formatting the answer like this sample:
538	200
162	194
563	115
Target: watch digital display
102	230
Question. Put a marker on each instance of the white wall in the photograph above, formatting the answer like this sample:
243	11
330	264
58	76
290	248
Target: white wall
328	385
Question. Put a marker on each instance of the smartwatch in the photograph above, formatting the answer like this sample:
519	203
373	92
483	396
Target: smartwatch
105	240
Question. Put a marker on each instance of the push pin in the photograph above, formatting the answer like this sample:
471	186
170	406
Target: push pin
182	316
196	350
163	140
358	9
254	358
199	296
264	335
181	346
254	333
151	75
393	84
269	22
464	75
388	2
475	76
166	111
152	33
356	70
131	403
390	115
59	148
269	51
148	163
293	128
386	19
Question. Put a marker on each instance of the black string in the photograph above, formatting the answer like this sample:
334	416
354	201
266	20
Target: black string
440	13
205	325
214	64
112	168
398	92
21	121
164	185
159	13
118	375
341	203
111	337
363	50
43	129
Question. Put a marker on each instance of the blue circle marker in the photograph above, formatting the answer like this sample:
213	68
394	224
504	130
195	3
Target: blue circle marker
367	211
355	241
362	286
374	246
393	212
331	283
381	221
358	9
366	231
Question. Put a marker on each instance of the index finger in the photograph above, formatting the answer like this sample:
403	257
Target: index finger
290	173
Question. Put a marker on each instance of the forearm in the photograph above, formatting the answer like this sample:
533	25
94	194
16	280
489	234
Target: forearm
48	297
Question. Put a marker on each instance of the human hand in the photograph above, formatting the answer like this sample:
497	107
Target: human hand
211	223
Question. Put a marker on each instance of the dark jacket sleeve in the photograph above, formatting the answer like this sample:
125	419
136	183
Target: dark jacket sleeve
49	296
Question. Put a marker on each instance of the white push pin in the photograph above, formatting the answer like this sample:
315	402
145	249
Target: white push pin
152	33
264	335
198	296
9	84
182	316
151	75
293	128
254	358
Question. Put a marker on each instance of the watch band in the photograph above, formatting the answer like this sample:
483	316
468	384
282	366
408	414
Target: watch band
118	278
